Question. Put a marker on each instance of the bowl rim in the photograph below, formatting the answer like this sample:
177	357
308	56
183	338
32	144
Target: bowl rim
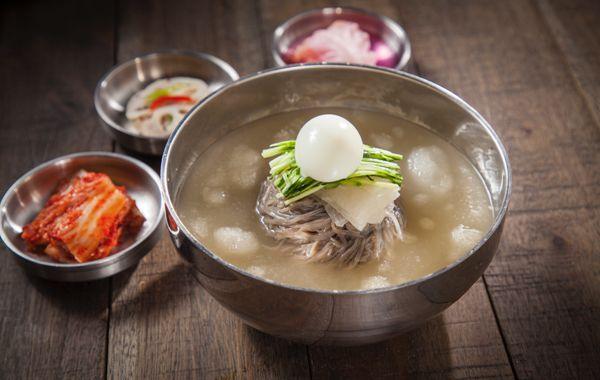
221	64
95	264
498	218
387	21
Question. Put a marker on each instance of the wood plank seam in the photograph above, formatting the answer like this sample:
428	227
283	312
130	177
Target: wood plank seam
159	311
310	369
115	51
266	63
417	69
563	56
500	330
108	314
50	329
522	211
258	16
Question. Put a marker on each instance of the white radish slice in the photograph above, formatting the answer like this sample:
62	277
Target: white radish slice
137	112
361	205
149	122
192	87
165	119
328	148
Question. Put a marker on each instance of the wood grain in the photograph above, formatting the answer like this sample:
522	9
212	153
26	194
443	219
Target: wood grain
545	287
50	330
227	29
575	26
461	343
544	283
513	74
160	311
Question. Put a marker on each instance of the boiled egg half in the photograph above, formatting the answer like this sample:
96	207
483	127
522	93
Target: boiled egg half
328	148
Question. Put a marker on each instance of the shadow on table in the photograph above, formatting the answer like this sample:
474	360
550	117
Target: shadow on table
422	352
150	160
152	294
77	297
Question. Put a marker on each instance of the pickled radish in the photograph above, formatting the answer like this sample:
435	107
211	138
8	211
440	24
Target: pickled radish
361	204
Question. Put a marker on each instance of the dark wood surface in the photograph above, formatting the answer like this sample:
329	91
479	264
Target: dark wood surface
532	68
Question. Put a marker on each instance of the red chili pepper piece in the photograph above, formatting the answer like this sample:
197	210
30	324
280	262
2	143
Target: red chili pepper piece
166	100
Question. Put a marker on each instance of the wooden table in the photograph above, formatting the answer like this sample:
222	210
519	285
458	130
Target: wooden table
532	68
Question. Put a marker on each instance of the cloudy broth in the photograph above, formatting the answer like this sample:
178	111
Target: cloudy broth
446	204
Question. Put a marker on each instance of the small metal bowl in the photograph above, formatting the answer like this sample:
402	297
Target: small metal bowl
120	83
303	24
26	197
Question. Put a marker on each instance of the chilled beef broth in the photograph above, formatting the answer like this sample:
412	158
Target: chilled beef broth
446	205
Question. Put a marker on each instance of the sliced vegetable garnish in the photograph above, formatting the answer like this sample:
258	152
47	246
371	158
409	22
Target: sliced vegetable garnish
378	167
157	94
165	91
166	100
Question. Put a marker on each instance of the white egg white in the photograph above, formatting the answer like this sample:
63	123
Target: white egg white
328	148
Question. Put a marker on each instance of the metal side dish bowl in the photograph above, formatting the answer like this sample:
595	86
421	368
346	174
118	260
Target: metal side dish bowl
382	30
322	316
28	195
121	82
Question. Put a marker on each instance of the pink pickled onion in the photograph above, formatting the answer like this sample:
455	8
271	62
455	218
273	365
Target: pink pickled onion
342	41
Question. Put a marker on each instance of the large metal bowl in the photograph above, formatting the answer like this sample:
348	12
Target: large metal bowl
26	197
342	317
122	81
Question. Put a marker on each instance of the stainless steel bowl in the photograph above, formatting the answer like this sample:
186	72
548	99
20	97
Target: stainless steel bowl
120	83
303	24
26	197
329	317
